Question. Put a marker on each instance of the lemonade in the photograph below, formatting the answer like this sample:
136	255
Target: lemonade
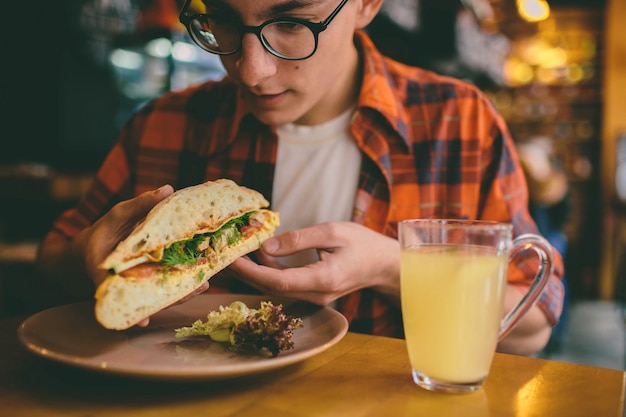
452	300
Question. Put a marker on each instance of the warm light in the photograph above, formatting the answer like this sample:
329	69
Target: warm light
533	10
553	58
574	73
546	75
517	72
533	50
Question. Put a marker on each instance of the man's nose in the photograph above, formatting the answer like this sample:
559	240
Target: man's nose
255	63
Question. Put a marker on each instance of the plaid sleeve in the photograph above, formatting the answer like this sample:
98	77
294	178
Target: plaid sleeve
435	147
109	185
507	200
147	155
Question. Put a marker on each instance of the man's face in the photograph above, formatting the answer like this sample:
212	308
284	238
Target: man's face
279	91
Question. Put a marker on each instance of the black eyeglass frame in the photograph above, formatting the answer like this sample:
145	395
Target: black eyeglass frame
315	27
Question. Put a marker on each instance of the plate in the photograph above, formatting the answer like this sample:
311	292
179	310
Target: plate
70	334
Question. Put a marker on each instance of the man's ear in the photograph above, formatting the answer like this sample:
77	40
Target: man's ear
367	11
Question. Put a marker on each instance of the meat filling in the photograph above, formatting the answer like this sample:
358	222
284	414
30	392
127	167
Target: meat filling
201	249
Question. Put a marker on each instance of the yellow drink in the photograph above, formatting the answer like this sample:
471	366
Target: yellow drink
452	299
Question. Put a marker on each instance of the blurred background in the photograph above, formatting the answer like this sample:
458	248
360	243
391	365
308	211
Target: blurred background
74	70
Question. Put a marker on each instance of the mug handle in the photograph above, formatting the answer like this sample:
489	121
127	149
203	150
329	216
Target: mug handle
543	249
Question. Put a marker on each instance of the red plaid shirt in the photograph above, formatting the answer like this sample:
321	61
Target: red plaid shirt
432	146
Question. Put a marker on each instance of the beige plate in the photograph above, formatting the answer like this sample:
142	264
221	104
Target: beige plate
71	335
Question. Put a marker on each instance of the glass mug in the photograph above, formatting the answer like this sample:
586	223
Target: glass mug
453	276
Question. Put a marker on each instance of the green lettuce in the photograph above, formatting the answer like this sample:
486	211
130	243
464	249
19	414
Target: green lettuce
267	330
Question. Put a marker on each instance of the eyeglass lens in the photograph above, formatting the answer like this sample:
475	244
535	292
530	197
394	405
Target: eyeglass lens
283	38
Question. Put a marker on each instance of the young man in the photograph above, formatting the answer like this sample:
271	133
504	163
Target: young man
342	141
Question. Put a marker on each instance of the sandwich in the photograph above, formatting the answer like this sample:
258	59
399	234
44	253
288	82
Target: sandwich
184	240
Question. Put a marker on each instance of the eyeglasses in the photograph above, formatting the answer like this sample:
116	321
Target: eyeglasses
287	38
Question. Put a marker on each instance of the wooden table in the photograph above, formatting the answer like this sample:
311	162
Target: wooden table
360	376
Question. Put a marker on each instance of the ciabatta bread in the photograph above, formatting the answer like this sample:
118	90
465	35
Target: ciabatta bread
217	221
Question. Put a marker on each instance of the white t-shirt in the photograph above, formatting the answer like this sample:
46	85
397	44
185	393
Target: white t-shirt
316	177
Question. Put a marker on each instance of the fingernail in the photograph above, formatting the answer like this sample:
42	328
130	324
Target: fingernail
270	245
158	190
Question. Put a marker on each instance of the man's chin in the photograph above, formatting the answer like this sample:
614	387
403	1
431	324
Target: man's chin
275	117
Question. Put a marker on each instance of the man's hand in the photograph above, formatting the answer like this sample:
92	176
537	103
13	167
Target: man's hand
95	243
69	265
352	257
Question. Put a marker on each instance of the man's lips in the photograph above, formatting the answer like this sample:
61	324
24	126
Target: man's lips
267	100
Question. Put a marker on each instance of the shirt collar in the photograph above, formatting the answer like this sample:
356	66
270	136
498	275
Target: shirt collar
377	87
